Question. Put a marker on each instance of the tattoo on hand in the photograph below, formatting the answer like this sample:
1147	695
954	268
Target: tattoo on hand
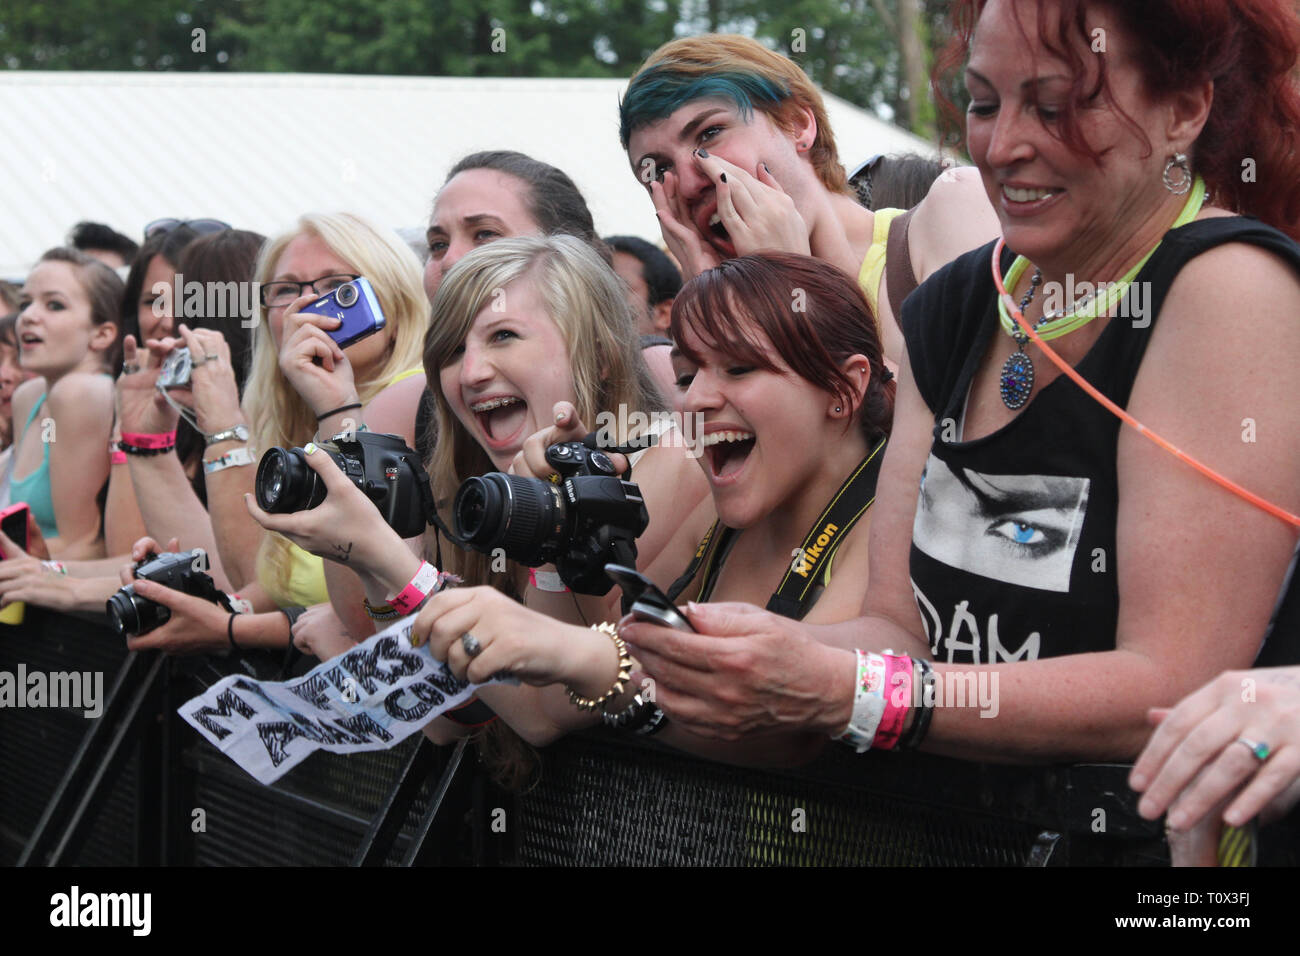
343	552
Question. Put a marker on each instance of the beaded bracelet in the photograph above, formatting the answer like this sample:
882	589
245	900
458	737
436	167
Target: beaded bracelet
380	612
143	451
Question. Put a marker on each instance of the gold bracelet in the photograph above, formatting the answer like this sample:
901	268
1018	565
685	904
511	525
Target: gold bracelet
624	672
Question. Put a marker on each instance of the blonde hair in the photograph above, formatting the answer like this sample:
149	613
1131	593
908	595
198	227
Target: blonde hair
584	297
277	413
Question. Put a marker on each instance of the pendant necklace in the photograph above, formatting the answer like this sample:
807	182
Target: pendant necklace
1016	382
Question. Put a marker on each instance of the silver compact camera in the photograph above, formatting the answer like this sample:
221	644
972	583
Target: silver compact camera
176	369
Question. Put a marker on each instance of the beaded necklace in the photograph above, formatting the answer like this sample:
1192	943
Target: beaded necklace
1017	379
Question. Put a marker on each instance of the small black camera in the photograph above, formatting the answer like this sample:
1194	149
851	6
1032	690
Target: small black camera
132	615
590	519
382	466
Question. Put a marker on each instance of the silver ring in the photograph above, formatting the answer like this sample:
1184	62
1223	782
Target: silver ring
1258	749
207	357
130	368
472	647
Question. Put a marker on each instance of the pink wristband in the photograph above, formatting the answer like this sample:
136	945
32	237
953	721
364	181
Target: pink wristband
421	586
117	457
160	440
898	700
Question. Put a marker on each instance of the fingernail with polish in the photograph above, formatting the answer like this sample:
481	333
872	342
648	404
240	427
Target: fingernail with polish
309	447
723	177
702	153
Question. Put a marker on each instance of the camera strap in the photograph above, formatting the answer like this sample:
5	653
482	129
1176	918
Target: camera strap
797	591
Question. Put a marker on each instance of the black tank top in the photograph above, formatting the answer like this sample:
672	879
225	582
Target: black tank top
1013	547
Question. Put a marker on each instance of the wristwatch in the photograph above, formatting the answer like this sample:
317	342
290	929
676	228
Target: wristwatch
239	432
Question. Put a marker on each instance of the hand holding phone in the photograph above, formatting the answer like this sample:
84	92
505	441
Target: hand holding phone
648	602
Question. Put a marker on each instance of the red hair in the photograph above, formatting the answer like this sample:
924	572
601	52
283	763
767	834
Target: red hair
813	314
1248	48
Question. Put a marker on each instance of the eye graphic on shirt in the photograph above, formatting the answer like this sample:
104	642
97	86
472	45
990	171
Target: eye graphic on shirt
1021	529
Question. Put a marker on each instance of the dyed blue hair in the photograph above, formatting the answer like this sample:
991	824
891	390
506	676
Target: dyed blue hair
660	90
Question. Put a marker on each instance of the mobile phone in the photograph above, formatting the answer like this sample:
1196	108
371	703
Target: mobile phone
648	602
355	305
13	522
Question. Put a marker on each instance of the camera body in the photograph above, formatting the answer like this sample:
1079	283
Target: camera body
132	615
589	519
387	471
176	369
356	306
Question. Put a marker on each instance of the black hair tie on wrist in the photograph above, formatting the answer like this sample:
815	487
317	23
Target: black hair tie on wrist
334	411
230	633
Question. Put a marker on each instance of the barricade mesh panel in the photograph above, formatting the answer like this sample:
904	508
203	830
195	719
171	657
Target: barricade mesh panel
604	800
316	814
37	745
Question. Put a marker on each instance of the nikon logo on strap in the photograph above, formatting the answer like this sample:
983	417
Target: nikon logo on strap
805	558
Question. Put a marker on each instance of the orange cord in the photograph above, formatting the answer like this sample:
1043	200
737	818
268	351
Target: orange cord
1122	415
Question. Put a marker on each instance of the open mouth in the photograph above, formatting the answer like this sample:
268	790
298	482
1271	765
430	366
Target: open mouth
501	418
727	452
28	339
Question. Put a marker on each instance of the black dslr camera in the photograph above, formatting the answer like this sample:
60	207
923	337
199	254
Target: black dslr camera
132	615
382	466
591	518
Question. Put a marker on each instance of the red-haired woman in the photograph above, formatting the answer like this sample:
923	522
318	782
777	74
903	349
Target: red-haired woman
1072	573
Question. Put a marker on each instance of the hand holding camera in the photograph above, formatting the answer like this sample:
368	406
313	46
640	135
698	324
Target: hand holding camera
580	517
210	388
323	498
316	330
170	588
140	406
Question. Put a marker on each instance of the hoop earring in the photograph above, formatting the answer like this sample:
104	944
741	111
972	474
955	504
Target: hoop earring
1183	183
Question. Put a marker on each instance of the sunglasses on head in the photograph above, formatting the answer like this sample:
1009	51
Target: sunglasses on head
202	226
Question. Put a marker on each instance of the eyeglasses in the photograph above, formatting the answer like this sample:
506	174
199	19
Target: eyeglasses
202	226
277	294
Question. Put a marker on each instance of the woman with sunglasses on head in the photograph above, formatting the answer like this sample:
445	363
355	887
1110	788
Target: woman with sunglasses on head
168	486
1022	536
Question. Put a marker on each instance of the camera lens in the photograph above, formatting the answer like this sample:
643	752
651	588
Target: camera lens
122	613
285	483
522	516
346	295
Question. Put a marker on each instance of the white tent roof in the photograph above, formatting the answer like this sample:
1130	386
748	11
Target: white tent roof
259	149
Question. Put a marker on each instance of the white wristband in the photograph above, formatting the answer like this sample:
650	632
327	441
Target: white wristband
547	581
868	702
231	459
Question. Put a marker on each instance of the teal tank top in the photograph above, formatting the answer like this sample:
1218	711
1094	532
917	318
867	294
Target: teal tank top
35	488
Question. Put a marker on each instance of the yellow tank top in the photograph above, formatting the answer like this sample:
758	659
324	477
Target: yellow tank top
304	584
873	266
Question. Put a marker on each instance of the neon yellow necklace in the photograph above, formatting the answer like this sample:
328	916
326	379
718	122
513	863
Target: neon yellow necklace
1017	380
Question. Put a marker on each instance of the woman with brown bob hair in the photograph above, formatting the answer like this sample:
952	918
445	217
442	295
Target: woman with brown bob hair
1074	573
